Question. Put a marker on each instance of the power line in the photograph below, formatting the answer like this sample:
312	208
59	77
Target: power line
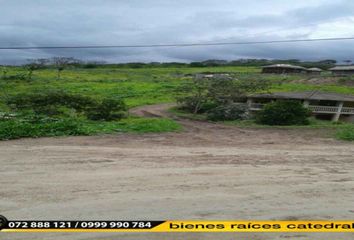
179	45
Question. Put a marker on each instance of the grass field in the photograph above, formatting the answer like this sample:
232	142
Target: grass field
140	86
137	86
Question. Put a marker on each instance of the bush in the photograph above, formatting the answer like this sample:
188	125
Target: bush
50	103
283	113
13	129
5	116
235	111
55	103
109	109
346	133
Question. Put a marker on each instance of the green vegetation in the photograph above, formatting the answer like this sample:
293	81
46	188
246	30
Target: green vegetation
232	111
135	84
334	128
283	113
218	97
313	124
138	125
65	105
297	87
138	86
12	129
19	128
50	102
324	64
346	133
339	130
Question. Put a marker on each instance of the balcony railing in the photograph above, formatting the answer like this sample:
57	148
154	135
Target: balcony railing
347	110
323	109
313	108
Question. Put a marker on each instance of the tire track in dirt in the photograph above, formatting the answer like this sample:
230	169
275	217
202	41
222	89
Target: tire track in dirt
161	111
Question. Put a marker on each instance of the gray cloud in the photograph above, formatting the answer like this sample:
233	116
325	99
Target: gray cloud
115	22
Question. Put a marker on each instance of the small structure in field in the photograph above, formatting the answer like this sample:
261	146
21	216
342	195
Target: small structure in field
314	71
328	106
342	70
283	69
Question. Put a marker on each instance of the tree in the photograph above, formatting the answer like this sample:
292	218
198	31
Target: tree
193	95
60	63
223	91
35	64
202	94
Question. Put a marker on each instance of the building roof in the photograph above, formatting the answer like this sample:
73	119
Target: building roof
284	66
314	69
343	68
307	95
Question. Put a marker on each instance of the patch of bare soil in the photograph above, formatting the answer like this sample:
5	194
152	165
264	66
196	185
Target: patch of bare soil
208	171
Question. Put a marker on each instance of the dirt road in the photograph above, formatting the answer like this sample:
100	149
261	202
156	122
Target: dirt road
208	171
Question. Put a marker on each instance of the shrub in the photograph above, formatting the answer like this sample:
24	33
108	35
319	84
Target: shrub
346	133
109	109
55	103
62	127
5	116
49	103
283	113
18	128
234	111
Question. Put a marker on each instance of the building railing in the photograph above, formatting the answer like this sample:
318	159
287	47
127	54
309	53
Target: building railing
323	109
347	110
313	108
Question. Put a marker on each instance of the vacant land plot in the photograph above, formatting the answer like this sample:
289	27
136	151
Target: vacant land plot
136	86
208	171
150	85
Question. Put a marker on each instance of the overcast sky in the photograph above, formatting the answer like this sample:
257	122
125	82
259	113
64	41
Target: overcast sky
119	22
